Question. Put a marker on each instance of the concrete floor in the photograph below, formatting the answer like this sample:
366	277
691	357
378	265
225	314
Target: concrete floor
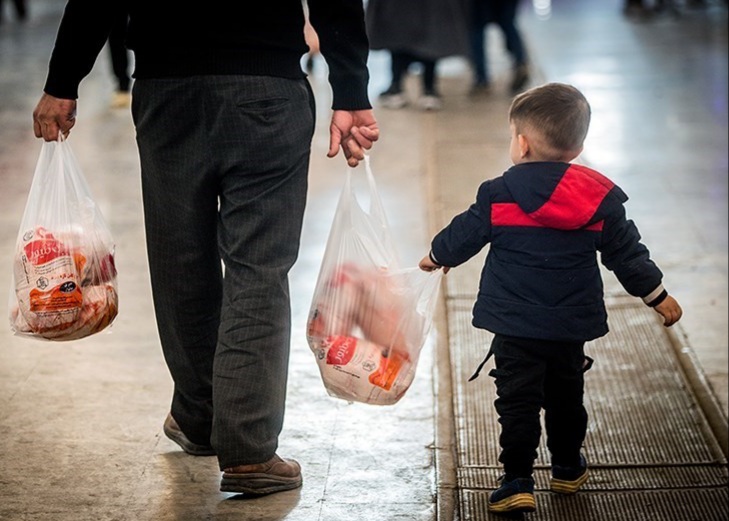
81	422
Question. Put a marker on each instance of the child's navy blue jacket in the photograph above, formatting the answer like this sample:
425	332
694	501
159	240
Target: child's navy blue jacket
545	223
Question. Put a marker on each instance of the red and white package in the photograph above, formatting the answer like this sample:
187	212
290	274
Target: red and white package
65	290
47	282
368	319
358	370
64	276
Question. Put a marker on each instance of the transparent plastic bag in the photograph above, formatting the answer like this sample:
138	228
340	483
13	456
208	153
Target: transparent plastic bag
64	283
369	318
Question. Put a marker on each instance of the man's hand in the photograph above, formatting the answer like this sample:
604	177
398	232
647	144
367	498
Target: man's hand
52	115
669	310
355	131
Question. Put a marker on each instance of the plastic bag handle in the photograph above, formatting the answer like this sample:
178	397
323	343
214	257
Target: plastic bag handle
350	209
376	209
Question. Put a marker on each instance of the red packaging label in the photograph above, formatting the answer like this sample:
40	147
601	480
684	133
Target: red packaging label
41	251
387	372
341	349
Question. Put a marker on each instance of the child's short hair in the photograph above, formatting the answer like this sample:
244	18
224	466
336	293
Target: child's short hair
558	112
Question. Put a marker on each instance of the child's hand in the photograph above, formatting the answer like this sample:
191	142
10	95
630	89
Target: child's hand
428	265
669	310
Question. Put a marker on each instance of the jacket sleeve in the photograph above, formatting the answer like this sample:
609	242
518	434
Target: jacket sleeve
627	257
343	42
83	31
466	234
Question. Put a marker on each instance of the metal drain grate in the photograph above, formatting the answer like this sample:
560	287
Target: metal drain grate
648	444
654	505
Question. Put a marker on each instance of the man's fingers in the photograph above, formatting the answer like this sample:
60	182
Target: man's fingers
354	132
47	131
676	316
362	137
354	148
370	134
334	140
53	116
365	136
671	318
50	131
355	154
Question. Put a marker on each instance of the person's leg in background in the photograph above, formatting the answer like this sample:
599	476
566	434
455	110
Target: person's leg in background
480	17
635	8
430	99
21	10
120	60
393	97
505	12
312	40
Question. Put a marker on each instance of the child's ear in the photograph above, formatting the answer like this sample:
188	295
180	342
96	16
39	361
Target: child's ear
523	145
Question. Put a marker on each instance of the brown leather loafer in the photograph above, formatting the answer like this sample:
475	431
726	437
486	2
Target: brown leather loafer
275	475
173	432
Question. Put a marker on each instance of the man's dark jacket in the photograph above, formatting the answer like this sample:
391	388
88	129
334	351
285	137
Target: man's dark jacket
178	38
545	223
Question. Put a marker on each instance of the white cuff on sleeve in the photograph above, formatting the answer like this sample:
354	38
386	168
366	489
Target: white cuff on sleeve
653	295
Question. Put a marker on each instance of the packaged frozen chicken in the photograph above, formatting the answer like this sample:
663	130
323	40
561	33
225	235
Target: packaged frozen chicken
368	319
65	288
358	370
64	276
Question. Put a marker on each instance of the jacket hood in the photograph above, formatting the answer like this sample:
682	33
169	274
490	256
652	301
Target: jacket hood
564	196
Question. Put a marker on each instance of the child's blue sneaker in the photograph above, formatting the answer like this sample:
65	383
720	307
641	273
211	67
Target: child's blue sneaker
568	480
513	496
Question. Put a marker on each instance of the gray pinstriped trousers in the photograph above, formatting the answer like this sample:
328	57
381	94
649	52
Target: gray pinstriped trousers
224	164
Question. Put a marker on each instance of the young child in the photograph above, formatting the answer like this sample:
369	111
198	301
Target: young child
541	292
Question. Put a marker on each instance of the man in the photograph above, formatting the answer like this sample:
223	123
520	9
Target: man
224	119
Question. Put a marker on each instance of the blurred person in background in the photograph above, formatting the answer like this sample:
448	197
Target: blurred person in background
119	54
502	13
21	10
312	40
417	31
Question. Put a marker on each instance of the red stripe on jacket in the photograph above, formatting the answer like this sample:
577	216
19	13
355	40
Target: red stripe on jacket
575	199
509	214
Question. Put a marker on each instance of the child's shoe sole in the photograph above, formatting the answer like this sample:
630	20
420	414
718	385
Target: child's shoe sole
516	503
562	486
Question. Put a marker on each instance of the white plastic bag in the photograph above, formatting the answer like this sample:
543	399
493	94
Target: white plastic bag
369	318
64	277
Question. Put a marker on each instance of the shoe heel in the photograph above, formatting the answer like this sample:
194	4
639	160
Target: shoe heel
258	484
561	486
515	503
